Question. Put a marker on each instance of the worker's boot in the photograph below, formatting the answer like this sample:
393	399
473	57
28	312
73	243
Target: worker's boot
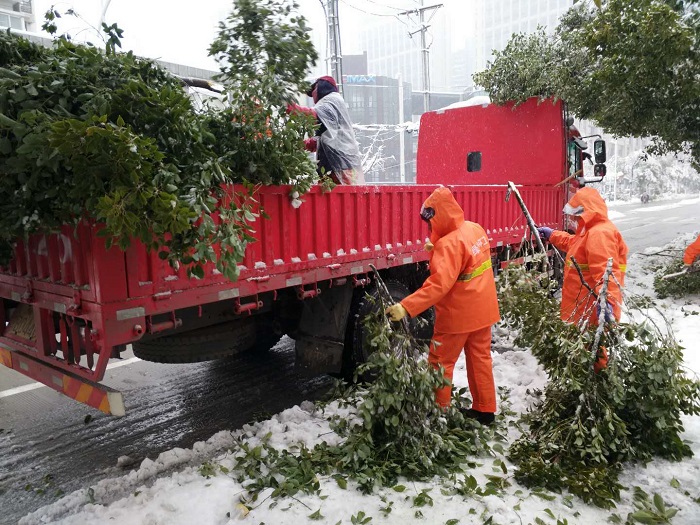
485	418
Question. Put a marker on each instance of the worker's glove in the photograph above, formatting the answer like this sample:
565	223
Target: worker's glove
428	246
545	232
396	312
609	315
310	145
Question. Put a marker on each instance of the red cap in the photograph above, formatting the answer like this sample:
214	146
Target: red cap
327	78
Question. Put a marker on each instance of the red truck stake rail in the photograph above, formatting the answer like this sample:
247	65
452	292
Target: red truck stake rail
69	305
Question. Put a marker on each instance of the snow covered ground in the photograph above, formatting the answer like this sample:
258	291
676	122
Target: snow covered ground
172	490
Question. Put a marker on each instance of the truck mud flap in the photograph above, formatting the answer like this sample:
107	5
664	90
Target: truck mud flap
96	395
315	355
321	335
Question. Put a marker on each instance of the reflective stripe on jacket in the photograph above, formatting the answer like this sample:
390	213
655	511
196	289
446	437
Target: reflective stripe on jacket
461	284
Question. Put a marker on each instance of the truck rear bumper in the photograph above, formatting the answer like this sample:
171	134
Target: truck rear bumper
93	394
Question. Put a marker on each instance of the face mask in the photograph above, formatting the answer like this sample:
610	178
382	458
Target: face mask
570	210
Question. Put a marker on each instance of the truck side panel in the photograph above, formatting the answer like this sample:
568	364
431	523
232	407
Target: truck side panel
62	315
350	224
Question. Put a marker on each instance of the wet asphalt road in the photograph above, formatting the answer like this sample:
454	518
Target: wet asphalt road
47	448
656	223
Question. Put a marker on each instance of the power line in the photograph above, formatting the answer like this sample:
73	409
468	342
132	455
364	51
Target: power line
384	5
367	12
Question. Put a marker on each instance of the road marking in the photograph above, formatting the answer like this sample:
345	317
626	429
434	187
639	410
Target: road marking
34	386
635	228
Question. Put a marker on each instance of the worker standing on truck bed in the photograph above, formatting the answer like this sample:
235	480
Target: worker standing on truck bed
692	252
337	153
595	241
462	288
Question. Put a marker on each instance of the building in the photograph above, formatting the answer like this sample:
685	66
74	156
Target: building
497	20
17	15
378	105
392	50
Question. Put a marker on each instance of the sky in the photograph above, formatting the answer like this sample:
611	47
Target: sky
171	490
181	31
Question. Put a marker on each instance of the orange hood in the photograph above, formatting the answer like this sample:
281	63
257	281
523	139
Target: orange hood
449	216
594	207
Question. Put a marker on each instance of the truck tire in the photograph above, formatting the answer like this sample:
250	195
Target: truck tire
357	351
207	343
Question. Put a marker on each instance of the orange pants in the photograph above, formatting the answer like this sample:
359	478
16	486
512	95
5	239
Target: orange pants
445	350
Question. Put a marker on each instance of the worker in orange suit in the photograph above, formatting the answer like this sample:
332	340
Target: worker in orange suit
692	253
461	286
596	240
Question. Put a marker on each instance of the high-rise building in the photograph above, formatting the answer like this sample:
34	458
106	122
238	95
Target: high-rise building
392	50
17	15
377	104
497	20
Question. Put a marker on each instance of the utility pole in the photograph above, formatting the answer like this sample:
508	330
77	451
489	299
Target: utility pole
423	27
402	133
336	53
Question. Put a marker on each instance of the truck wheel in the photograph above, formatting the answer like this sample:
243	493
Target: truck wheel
357	349
207	343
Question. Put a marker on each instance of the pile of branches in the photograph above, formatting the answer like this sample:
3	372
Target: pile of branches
398	429
678	286
587	424
92	134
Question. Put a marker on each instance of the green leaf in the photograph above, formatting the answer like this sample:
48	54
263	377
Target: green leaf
659	503
399	488
643	516
341	481
543	495
316	515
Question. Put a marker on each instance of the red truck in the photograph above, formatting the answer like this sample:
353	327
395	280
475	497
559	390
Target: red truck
69	305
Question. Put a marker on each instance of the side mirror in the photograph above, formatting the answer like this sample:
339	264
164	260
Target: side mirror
599	151
599	170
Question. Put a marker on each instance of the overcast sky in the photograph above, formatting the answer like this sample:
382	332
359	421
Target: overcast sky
181	31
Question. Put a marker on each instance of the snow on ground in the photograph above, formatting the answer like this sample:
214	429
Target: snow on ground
669	206
171	490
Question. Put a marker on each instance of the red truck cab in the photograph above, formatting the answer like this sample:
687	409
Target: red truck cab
69	305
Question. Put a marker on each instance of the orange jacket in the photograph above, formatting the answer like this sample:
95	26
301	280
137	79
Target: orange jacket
595	241
692	252
461	284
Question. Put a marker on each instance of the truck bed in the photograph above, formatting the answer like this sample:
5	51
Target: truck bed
83	300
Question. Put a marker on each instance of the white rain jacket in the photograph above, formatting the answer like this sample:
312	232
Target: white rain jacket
337	147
